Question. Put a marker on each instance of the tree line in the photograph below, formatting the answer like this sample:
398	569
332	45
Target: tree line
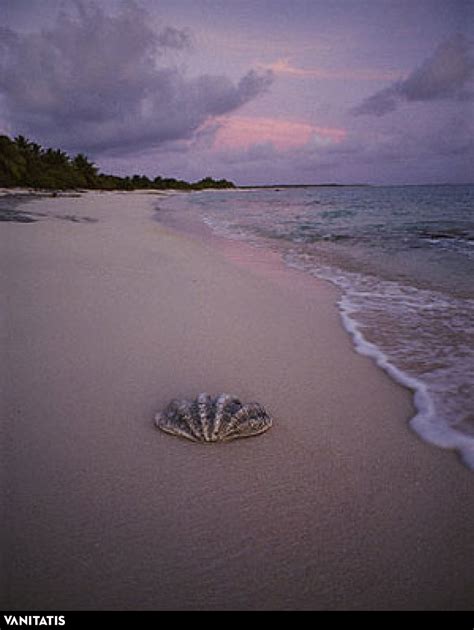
27	164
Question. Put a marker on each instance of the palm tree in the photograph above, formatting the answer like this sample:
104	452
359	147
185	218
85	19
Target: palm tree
86	169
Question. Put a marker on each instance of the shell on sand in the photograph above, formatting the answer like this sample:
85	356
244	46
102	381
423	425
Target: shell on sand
208	419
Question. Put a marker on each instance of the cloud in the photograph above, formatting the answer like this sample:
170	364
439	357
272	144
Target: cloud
393	150
99	82
237	132
390	150
444	75
283	66
171	37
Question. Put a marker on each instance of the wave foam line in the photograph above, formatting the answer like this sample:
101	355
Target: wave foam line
424	423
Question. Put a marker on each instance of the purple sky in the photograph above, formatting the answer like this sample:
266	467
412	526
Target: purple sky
257	91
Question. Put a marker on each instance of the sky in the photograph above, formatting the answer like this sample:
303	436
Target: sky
255	91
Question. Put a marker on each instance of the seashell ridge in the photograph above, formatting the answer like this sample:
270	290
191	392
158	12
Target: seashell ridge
208	419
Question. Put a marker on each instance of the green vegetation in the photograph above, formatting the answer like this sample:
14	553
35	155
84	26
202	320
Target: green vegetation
27	164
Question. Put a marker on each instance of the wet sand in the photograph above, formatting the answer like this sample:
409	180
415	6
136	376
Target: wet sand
339	506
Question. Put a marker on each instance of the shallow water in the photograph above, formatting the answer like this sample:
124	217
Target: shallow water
404	260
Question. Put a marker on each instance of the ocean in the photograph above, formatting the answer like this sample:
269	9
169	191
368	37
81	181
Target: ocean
403	259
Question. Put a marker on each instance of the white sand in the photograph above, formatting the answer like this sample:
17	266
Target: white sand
339	506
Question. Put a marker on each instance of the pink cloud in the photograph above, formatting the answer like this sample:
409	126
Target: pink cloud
239	132
283	66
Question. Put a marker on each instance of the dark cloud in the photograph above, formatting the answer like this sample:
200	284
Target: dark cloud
100	82
444	75
380	103
174	38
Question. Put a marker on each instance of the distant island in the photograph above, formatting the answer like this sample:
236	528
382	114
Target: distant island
27	164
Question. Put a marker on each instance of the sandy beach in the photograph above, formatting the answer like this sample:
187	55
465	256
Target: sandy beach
107	316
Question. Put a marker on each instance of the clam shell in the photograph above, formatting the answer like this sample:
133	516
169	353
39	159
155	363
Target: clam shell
208	419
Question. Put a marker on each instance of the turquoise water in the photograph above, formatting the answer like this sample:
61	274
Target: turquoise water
403	258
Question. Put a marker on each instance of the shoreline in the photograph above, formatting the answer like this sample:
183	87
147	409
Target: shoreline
262	256
425	420
336	507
